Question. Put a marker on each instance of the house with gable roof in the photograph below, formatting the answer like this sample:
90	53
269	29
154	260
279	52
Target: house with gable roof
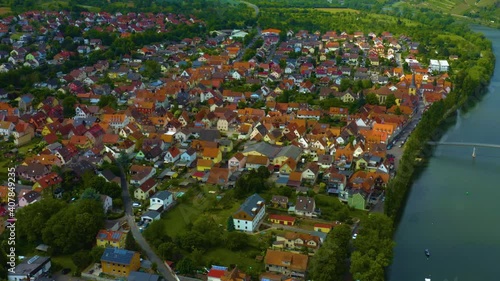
305	206
146	189
161	201
250	214
109	238
173	154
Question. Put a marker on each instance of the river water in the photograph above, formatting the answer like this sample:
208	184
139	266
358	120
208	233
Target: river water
452	207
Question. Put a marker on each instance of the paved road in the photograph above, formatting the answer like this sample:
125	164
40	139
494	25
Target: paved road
163	269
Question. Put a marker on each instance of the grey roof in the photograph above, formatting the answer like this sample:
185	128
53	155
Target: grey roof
143	276
264	148
163	195
115	255
251	203
151	214
290	151
30	266
305	204
108	175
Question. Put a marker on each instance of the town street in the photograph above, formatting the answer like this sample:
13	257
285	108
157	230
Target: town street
163	269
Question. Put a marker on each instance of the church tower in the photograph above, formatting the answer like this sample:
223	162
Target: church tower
413	86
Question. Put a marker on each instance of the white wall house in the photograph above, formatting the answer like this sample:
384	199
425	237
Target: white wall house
250	214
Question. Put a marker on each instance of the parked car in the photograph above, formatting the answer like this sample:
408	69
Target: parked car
136	205
65	271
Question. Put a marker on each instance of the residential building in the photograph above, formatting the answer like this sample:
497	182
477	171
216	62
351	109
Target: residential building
109	238
305	206
107	203
146	189
286	263
279	201
161	201
119	262
250	214
297	241
30	269
140	174
281	219
28	198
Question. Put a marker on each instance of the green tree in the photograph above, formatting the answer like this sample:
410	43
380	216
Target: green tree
90	193
3	260
186	266
130	243
152	70
230	224
237	241
81	259
371	98
108	100
33	218
169	251
390	101
96	254
74	228
68	104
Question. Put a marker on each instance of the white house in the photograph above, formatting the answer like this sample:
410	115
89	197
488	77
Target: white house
30	269
305	206
150	216
160	201
173	154
250	214
6	128
107	203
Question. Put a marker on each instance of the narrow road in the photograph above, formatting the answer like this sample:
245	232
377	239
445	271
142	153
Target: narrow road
163	269
256	9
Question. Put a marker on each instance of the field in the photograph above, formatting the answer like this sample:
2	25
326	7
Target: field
337	10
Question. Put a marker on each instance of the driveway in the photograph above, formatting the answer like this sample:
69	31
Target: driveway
163	269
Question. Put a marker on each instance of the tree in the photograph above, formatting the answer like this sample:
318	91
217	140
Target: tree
169	251
74	228
96	254
398	111
33	218
329	262
90	193
185	266
68	104
371	98
230	224
81	259
108	100
390	101
130	243
237	241
3	260
152	70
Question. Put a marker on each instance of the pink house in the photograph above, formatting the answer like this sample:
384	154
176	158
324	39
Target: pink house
29	197
237	162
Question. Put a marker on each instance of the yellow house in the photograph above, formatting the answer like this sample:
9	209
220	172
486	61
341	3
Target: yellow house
212	153
323	227
204	164
107	238
226	145
46	130
119	262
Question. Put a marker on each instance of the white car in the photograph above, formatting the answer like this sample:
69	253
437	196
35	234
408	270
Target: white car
136	205
354	236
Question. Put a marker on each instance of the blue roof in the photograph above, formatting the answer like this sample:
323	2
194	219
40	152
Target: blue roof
116	255
250	203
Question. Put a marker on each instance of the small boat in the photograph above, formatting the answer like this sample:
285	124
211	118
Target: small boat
474	152
427	253
427	279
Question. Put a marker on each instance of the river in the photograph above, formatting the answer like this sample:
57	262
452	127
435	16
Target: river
451	209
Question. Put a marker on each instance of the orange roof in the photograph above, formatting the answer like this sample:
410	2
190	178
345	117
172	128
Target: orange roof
211	152
271	30
281	218
204	163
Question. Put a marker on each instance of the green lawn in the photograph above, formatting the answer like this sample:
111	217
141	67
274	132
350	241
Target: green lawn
64	262
179	217
227	257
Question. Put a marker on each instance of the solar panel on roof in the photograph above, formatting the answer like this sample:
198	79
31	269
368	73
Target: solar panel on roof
116	235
